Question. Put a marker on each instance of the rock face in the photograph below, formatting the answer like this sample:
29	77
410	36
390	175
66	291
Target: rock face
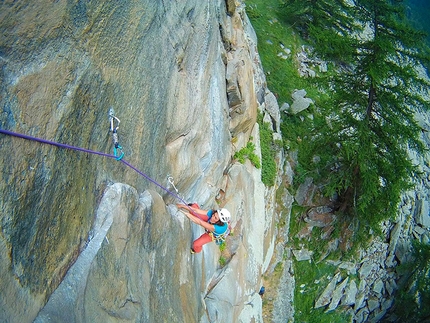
86	239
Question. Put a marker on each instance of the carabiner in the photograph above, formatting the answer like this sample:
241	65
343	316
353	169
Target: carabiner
172	182
112	120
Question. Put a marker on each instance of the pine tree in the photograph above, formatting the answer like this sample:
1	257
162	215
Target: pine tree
365	128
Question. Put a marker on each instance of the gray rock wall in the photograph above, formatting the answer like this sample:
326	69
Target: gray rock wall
86	239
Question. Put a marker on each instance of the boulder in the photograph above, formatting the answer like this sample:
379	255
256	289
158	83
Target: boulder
394	236
361	316
372	303
337	295
403	250
272	108
305	192
359	300
284	107
327	231
302	254
288	173
349	266
390	286
390	261
378	287
377	315
386	304
323	67
350	294
320	216
326	296
300	103
365	269
422	215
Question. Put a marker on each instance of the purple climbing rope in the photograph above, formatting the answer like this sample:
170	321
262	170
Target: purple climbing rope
57	144
53	143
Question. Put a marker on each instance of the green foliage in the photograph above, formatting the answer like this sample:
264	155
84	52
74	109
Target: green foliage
411	305
268	150
252	12
222	261
247	152
222	246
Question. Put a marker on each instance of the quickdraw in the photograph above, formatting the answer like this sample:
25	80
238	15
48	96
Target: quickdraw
172	183
117	149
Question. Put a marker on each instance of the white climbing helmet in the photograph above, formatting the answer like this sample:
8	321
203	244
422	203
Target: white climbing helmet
224	215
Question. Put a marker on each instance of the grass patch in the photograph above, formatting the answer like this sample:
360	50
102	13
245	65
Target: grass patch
275	37
311	279
272	35
268	152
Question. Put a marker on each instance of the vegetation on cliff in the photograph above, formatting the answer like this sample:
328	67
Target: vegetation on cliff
356	145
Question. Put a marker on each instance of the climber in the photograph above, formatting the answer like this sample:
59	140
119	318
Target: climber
215	223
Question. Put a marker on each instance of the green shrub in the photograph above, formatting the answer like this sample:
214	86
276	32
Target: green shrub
247	152
268	151
222	261
222	246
